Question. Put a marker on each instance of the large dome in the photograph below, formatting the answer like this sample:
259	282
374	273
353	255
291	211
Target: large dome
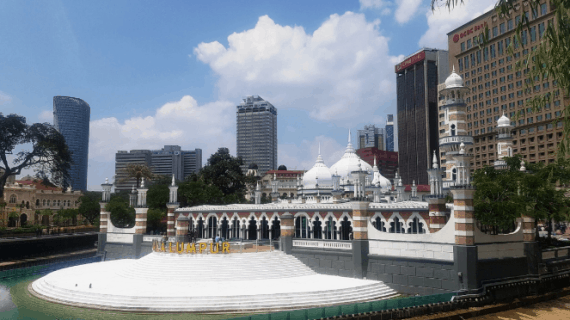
319	173
454	80
349	162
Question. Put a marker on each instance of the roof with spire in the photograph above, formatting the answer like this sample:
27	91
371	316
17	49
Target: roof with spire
454	80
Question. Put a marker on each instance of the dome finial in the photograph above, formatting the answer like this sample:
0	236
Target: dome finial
349	139
319	148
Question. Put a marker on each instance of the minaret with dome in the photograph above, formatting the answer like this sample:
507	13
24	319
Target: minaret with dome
505	141
453	132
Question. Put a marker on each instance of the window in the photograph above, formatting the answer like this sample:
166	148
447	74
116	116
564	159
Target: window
468	44
462	46
533	33
540	29
452	129
510	25
13	198
500	47
495	32
493	55
543	9
461	66
502	28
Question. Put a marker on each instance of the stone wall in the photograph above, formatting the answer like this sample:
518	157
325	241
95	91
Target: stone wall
326	262
413	276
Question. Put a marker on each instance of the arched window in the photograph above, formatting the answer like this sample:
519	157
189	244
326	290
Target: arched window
452	129
345	229
454	174
396	226
317	229
13	198
252	229
44	202
379	224
330	228
235	228
212	227
276	228
301	227
264	228
416	226
48	203
37	202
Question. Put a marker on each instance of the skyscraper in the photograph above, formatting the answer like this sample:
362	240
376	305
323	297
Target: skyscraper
71	119
390	133
257	134
417	79
168	161
372	137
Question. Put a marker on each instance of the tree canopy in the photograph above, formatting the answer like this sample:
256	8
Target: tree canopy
137	171
49	154
89	207
122	215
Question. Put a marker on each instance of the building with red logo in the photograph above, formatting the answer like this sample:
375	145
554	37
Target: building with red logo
417	78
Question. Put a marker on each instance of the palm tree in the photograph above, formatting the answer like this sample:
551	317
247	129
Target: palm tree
137	171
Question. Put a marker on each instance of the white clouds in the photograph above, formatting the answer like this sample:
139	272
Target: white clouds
181	122
4	98
441	21
406	10
372	4
304	154
341	72
46	116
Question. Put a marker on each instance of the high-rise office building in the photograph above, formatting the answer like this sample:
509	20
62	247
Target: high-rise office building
497	87
257	134
170	160
417	78
71	119
390	133
372	137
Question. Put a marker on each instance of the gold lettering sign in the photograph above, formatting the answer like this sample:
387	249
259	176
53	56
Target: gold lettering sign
190	248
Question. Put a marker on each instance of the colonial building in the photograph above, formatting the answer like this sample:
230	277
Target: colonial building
28	195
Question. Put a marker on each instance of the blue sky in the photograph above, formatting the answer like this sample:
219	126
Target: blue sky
172	72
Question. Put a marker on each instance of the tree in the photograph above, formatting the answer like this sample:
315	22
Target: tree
89	209
122	216
154	220
543	190
550	58
49	154
158	193
137	171
223	171
497	202
194	193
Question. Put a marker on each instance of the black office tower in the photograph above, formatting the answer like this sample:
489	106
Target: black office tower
417	78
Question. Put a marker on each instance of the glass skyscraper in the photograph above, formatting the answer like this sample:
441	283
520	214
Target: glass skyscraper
257	134
71	119
390	133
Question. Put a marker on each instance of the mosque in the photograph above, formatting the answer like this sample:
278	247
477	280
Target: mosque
348	236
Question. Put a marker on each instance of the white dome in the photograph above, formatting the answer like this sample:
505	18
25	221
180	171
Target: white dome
503	121
319	173
454	80
349	162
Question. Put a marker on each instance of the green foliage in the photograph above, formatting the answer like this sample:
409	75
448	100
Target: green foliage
154	220
89	209
122	215
49	154
137	171
13	215
220	182
497	201
158	196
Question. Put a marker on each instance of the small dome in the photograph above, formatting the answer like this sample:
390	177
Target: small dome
252	166
319	174
454	80
503	121
282	167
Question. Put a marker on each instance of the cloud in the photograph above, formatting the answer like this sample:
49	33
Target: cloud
304	154
372	4
406	10
441	21
340	73
182	122
46	116
4	98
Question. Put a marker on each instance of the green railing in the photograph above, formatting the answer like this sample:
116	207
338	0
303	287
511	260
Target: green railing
348	309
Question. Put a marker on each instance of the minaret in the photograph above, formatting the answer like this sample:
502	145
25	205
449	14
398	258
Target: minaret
505	141
455	125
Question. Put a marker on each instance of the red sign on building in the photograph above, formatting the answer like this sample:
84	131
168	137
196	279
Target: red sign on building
469	31
411	61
